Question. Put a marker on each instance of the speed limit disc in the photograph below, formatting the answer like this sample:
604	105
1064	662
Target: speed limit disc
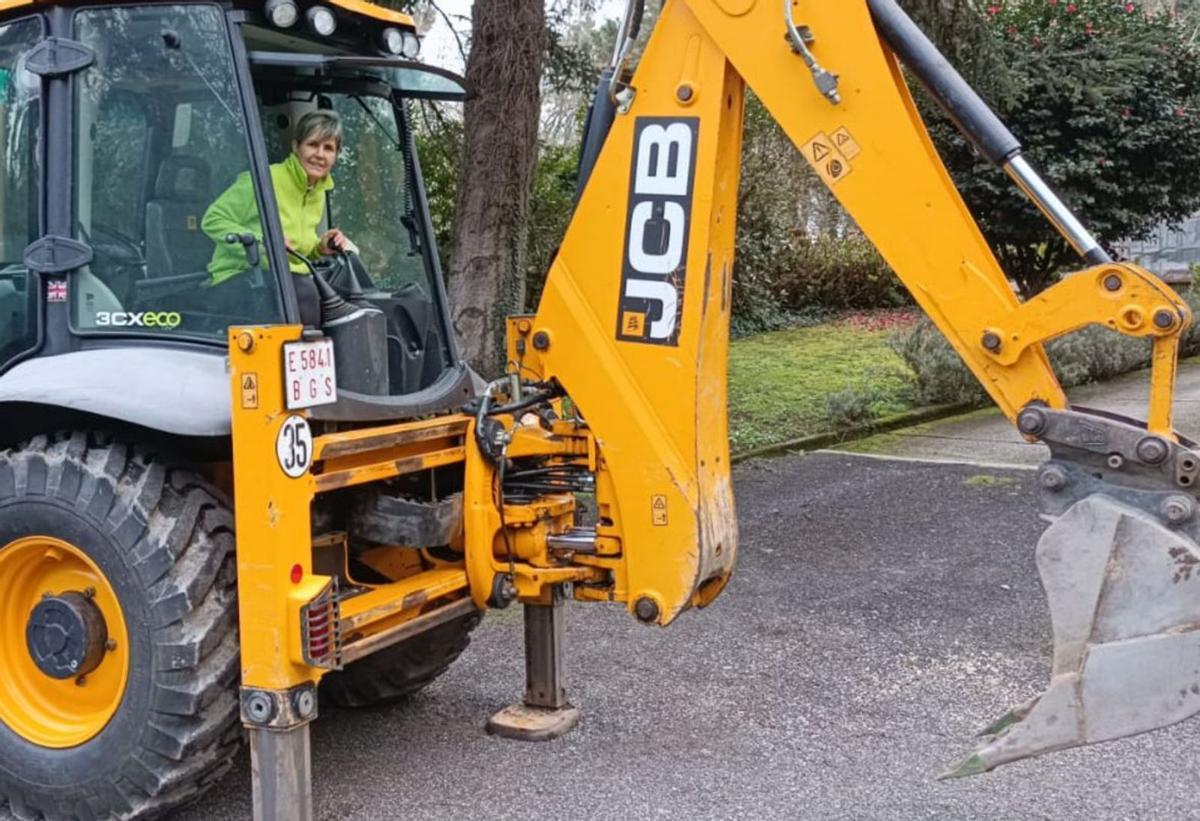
294	446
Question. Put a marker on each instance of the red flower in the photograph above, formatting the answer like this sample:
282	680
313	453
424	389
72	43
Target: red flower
1072	8
1130	8
993	11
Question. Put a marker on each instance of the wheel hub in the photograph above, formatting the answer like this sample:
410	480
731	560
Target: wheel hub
57	607
66	635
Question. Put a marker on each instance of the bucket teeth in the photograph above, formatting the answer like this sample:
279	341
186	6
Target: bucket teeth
1126	635
1008	719
971	765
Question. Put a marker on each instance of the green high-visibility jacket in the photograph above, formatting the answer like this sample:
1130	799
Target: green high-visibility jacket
301	208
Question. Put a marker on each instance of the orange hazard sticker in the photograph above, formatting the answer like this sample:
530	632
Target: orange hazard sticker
844	142
826	159
633	324
658	510
250	391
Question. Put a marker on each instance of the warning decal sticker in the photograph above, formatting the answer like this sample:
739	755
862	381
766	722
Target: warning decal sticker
250	391
846	143
830	162
658	510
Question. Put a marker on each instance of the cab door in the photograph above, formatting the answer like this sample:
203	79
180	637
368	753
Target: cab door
20	183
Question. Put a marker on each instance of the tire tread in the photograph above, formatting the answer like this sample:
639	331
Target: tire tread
178	532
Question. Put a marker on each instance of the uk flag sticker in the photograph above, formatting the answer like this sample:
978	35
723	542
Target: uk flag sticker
56	290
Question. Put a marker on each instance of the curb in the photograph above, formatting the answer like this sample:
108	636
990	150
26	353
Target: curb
823	440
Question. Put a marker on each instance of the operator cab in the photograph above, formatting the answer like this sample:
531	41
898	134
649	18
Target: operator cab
146	113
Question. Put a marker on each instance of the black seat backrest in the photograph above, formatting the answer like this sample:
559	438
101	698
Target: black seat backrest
174	242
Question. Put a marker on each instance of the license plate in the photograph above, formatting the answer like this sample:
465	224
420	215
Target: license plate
308	375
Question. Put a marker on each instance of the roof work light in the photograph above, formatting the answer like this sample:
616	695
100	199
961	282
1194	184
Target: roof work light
321	20
392	40
282	13
412	45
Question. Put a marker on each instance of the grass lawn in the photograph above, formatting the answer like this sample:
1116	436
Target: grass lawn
780	382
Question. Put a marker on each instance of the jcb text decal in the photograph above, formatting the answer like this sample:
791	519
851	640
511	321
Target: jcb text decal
656	237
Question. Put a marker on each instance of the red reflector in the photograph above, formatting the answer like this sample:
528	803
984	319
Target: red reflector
297	573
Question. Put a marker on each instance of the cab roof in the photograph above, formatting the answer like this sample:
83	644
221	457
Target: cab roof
354	7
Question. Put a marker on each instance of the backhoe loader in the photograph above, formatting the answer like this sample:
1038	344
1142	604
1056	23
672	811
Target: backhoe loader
214	517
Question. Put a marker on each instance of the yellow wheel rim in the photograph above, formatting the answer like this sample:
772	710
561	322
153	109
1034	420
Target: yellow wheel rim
44	710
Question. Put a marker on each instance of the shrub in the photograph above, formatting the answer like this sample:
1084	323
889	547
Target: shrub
555	178
841	273
938	371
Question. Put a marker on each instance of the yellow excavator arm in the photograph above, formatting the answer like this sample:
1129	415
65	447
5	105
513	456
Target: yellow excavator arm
642	355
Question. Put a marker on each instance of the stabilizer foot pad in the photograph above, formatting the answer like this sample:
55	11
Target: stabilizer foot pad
525	723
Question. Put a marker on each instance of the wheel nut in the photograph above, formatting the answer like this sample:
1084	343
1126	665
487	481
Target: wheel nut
1031	421
1116	461
646	609
1152	450
1178	508
1164	319
1052	477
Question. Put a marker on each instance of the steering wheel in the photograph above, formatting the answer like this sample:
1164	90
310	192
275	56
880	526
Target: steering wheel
342	270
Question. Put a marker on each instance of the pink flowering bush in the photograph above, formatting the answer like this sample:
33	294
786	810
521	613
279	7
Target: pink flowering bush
1105	97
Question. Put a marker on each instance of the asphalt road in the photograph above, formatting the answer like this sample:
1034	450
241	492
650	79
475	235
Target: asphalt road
882	612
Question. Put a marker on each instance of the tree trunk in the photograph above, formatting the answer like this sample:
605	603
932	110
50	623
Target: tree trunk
487	253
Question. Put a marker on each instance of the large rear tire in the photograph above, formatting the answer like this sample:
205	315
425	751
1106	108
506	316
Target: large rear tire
397	672
156	546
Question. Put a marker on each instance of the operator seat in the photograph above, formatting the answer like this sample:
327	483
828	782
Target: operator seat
174	242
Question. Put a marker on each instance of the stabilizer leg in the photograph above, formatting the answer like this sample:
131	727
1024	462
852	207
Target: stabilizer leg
281	772
545	713
1124	596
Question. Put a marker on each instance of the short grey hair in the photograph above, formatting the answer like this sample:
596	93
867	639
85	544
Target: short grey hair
325	125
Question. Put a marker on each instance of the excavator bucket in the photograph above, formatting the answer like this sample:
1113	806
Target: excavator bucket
1124	595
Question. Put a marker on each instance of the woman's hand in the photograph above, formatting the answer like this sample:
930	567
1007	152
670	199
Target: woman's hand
332	242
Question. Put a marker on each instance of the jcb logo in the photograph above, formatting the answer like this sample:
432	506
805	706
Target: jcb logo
656	238
144	319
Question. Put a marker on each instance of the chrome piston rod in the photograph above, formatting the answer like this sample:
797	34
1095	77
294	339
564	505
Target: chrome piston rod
1055	210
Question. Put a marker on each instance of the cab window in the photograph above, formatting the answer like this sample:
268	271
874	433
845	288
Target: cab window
20	172
160	138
